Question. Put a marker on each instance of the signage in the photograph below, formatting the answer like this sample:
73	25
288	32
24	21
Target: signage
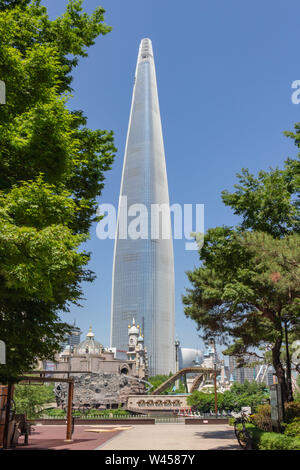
2	352
276	406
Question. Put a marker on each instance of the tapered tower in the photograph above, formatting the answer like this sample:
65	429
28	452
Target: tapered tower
143	266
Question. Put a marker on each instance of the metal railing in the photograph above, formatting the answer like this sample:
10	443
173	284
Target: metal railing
93	416
168	419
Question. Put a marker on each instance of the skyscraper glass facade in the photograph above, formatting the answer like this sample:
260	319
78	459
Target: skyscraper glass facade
143	268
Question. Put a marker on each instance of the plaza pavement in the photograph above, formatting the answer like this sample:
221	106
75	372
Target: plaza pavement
174	437
53	437
161	436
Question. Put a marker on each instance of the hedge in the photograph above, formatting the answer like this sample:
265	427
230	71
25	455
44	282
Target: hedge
263	440
276	441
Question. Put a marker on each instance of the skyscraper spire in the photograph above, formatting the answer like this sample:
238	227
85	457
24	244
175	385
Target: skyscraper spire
143	268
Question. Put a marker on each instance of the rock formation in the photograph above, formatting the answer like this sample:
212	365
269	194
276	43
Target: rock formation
98	390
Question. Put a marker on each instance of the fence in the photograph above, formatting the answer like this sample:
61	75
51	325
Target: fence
93	416
168	419
92	419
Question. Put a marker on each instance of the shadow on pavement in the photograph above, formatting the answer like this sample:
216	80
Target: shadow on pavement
50	444
228	447
216	435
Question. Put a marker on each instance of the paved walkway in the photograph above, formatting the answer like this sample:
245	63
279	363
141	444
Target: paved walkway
136	437
53	437
174	437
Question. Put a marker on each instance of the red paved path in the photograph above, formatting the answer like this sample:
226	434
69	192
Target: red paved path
52	437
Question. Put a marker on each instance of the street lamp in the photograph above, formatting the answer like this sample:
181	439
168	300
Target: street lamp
215	386
288	361
177	344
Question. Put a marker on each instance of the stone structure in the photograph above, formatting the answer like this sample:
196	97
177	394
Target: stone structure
91	356
100	379
99	390
146	403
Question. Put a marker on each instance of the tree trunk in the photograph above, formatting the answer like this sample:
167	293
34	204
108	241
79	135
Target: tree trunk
279	370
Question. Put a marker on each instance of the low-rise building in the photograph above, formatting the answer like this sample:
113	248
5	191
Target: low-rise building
90	356
102	378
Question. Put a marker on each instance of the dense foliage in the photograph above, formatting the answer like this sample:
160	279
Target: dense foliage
261	429
263	440
293	429
262	417
52	170
240	395
159	379
59	413
29	398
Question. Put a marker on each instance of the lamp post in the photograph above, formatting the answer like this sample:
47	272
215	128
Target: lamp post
215	387
288	362
69	412
177	344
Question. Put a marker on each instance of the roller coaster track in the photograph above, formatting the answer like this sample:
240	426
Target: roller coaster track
187	370
199	378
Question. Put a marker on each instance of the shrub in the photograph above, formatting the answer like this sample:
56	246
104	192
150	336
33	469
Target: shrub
271	440
54	412
293	429
58	412
292	410
231	421
276	441
262	418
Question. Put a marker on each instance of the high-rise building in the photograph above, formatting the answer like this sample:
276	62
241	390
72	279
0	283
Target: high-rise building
143	267
73	339
240	374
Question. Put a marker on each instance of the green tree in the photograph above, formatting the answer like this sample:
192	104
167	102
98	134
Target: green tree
52	170
159	379
7	4
201	401
236	298
29	398
246	394
266	202
248	283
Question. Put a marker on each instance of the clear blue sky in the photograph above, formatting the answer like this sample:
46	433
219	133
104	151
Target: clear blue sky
224	72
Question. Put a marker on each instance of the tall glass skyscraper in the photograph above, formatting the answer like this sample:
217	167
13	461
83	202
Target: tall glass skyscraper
143	267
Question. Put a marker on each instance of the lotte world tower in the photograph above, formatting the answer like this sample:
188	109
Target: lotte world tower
143	266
